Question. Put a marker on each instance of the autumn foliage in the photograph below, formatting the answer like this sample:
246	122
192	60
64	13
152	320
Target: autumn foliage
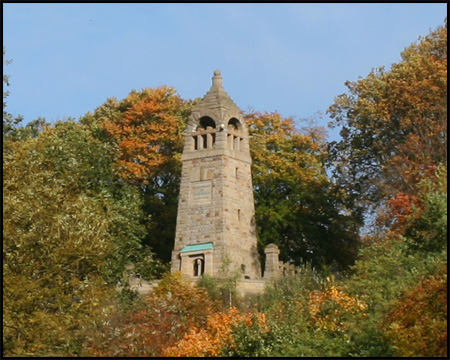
296	204
82	200
328	308
217	333
148	129
394	123
68	232
418	323
163	318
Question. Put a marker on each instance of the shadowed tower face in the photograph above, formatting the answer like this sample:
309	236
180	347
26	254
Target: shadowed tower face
216	215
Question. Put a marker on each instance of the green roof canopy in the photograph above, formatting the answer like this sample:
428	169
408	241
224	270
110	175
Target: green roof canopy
198	247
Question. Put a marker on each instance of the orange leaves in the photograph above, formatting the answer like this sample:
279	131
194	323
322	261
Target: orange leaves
204	342
401	207
418	324
218	333
395	123
148	131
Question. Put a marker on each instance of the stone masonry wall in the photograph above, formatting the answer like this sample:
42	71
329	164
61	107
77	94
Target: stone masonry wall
216	205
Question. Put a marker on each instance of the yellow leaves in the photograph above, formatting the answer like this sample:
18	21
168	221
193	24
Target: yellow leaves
329	307
279	150
62	236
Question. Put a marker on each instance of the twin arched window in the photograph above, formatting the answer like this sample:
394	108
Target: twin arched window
205	134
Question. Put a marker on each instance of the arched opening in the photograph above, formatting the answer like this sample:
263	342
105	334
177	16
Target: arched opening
204	133
234	136
234	123
206	122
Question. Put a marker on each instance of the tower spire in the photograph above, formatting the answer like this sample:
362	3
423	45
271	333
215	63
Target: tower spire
217	79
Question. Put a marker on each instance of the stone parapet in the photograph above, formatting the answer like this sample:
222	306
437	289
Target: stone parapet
250	287
275	268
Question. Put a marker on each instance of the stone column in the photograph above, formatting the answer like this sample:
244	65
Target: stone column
186	265
237	141
199	142
209	262
189	143
272	263
230	142
209	141
221	140
176	261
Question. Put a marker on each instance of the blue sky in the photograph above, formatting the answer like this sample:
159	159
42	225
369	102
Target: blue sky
291	58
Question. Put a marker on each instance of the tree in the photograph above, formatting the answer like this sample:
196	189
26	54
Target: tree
166	316
394	124
147	126
425	228
70	226
297	206
9	121
401	277
417	325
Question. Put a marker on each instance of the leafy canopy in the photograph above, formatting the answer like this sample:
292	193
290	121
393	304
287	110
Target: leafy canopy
70	226
394	124
297	206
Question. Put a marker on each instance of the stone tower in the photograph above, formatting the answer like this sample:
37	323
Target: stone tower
216	215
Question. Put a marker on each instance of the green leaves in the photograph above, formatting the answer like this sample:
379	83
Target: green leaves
426	227
70	225
9	121
297	206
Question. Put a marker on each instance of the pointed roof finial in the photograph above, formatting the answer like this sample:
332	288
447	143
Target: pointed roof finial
216	100
217	79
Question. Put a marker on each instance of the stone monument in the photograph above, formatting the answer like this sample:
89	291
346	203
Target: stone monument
216	216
